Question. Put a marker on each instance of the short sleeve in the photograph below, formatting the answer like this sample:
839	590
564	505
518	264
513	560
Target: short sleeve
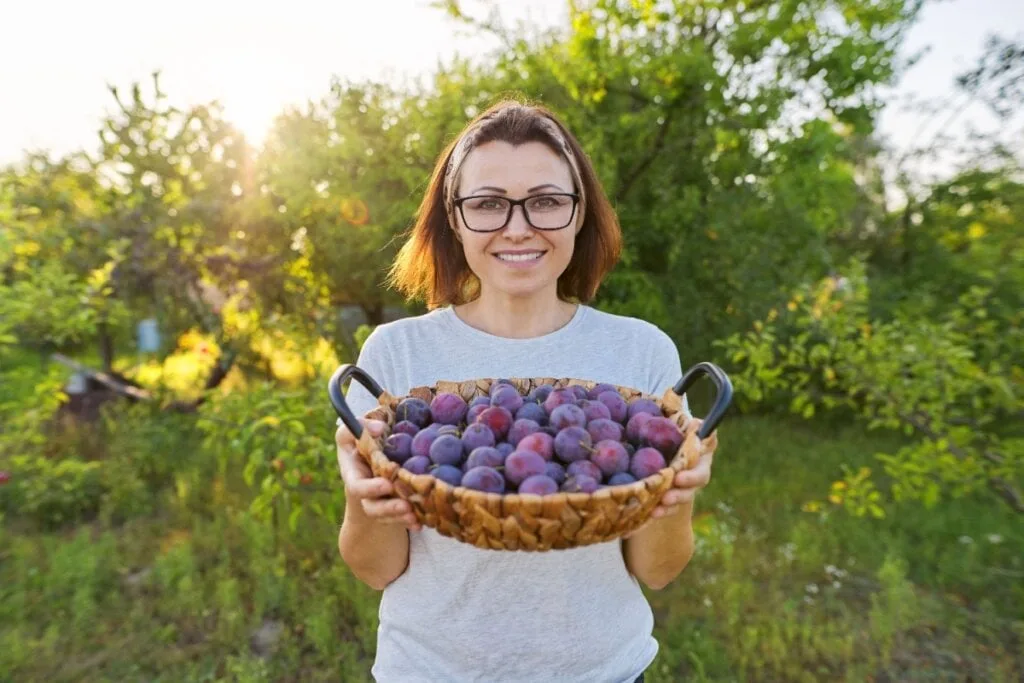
666	367
372	359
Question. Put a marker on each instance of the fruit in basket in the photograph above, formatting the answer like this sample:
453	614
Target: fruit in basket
508	398
539	485
549	440
485	456
602	429
661	434
541	443
476	435
521	465
643	405
572	444
646	462
446	449
448	408
615	404
498	419
414	410
610	457
486	479
568	415
532	411
448	473
398	447
521	428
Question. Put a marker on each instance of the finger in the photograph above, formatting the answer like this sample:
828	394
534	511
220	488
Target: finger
381	509
368	488
352	467
697	477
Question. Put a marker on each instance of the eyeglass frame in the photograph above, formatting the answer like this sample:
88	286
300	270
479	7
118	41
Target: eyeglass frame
512	204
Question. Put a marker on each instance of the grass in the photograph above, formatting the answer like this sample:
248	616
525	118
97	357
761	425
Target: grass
174	579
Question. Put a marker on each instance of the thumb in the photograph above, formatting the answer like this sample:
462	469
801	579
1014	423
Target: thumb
376	427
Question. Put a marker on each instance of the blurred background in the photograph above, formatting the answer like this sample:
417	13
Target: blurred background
198	203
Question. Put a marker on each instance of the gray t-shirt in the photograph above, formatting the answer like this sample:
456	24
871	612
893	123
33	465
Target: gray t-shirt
461	613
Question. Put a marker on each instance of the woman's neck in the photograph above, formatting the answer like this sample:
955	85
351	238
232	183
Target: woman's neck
514	317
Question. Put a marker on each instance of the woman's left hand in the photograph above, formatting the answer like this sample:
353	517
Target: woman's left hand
685	487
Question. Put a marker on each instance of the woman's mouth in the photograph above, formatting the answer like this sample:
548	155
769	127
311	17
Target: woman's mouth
519	259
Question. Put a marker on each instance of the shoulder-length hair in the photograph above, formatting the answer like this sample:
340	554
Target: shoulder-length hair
431	264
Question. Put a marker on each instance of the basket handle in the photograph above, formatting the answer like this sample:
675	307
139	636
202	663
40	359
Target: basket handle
340	376
723	395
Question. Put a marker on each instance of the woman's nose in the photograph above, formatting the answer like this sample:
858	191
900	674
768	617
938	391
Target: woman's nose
517	223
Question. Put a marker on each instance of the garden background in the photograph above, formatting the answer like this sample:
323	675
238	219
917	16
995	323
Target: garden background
174	296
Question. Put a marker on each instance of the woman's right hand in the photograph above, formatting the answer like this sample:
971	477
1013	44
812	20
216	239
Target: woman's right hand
374	495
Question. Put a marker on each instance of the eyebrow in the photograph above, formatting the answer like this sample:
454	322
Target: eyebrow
502	191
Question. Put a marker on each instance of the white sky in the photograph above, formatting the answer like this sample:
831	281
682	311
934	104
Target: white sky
256	57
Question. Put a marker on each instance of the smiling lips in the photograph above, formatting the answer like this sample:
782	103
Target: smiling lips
524	256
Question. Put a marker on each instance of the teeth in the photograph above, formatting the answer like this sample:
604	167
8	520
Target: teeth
519	257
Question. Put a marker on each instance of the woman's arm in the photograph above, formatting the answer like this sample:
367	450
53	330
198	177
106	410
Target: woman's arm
659	551
375	552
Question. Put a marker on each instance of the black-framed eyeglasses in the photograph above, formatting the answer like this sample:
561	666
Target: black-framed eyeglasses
489	213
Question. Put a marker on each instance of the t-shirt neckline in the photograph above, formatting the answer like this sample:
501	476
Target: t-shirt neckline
461	327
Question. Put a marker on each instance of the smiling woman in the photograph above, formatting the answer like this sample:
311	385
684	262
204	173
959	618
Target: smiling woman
511	242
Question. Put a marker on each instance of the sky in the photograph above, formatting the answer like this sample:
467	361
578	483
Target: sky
258	57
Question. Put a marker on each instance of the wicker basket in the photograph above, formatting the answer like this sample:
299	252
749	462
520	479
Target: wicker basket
513	521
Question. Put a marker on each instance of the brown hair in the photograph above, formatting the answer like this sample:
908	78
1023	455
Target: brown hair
431	263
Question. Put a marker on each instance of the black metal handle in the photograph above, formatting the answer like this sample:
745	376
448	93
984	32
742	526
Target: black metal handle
723	396
340	376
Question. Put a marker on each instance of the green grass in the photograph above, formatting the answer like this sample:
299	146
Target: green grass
171	576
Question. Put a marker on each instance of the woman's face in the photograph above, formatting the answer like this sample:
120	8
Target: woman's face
517	260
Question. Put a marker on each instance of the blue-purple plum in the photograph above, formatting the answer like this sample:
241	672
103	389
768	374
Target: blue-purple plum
486	479
522	464
446	450
599	389
661	434
567	415
643	405
417	464
539	485
540	393
485	456
580	483
620	478
572	444
405	427
584	467
415	410
559	397
521	428
541	443
578	390
504	447
645	462
421	442
449	474
603	429
555	471
616	405
476	435
532	411
474	411
634	427
610	457
448	408
594	410
508	398
398	447
480	401
498	385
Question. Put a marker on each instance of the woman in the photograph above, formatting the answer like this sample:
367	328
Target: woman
511	241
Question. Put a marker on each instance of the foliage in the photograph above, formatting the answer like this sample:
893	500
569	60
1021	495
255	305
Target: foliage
824	351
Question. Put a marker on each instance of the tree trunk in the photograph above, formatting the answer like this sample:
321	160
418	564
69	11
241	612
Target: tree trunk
374	312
